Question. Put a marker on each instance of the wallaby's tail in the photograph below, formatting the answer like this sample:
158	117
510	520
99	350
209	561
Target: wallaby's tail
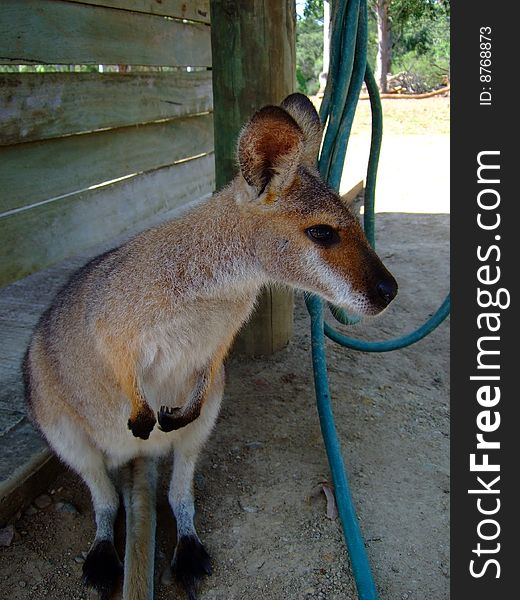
139	494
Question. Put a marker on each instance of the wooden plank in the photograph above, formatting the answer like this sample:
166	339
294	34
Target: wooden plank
36	238
36	106
57	32
260	70
349	196
194	10
37	171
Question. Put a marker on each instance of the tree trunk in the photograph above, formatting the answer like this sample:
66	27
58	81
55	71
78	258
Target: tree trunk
384	50
326	46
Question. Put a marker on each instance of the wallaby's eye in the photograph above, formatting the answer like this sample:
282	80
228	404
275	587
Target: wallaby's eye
323	235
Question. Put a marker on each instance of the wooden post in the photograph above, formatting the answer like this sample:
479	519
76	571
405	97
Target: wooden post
254	64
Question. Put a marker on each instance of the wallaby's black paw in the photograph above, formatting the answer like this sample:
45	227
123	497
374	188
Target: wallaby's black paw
102	568
141	425
174	418
190	563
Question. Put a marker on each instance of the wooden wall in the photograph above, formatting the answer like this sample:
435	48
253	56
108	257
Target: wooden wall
85	156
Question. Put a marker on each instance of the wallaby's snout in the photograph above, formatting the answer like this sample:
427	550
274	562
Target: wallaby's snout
380	286
387	289
303	233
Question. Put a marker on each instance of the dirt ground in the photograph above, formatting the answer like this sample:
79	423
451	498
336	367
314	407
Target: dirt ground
268	540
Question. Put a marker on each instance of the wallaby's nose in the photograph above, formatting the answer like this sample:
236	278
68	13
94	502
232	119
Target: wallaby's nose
387	289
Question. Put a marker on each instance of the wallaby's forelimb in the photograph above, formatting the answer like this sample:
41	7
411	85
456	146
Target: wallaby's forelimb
122	356
177	417
142	419
171	418
139	493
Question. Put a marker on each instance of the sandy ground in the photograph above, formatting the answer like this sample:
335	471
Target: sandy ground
267	538
414	164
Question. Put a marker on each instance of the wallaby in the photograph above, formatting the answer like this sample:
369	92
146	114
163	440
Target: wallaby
138	336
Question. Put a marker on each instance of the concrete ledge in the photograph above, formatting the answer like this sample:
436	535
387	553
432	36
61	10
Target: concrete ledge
28	481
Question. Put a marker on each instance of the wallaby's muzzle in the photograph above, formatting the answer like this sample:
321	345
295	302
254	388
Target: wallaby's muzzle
387	289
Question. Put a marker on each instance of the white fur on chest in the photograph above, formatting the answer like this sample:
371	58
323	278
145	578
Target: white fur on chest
175	351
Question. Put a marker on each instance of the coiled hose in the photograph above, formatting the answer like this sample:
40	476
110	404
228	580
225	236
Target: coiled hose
348	69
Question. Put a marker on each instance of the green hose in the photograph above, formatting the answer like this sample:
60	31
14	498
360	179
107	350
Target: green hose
348	68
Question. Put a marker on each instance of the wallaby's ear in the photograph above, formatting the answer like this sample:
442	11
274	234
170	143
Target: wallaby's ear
303	112
270	146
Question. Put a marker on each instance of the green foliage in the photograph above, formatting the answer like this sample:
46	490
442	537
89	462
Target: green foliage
48	68
423	49
420	38
420	42
313	9
309	47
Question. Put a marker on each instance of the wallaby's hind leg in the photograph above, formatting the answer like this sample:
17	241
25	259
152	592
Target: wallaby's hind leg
190	560
102	568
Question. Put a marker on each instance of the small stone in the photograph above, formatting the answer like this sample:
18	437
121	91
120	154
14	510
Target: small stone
248	509
6	535
30	511
79	559
22	583
200	481
43	501
166	576
67	507
253	445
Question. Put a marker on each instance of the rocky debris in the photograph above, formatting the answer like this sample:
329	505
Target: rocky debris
408	82
66	507
167	576
6	535
254	445
246	508
199	481
43	501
